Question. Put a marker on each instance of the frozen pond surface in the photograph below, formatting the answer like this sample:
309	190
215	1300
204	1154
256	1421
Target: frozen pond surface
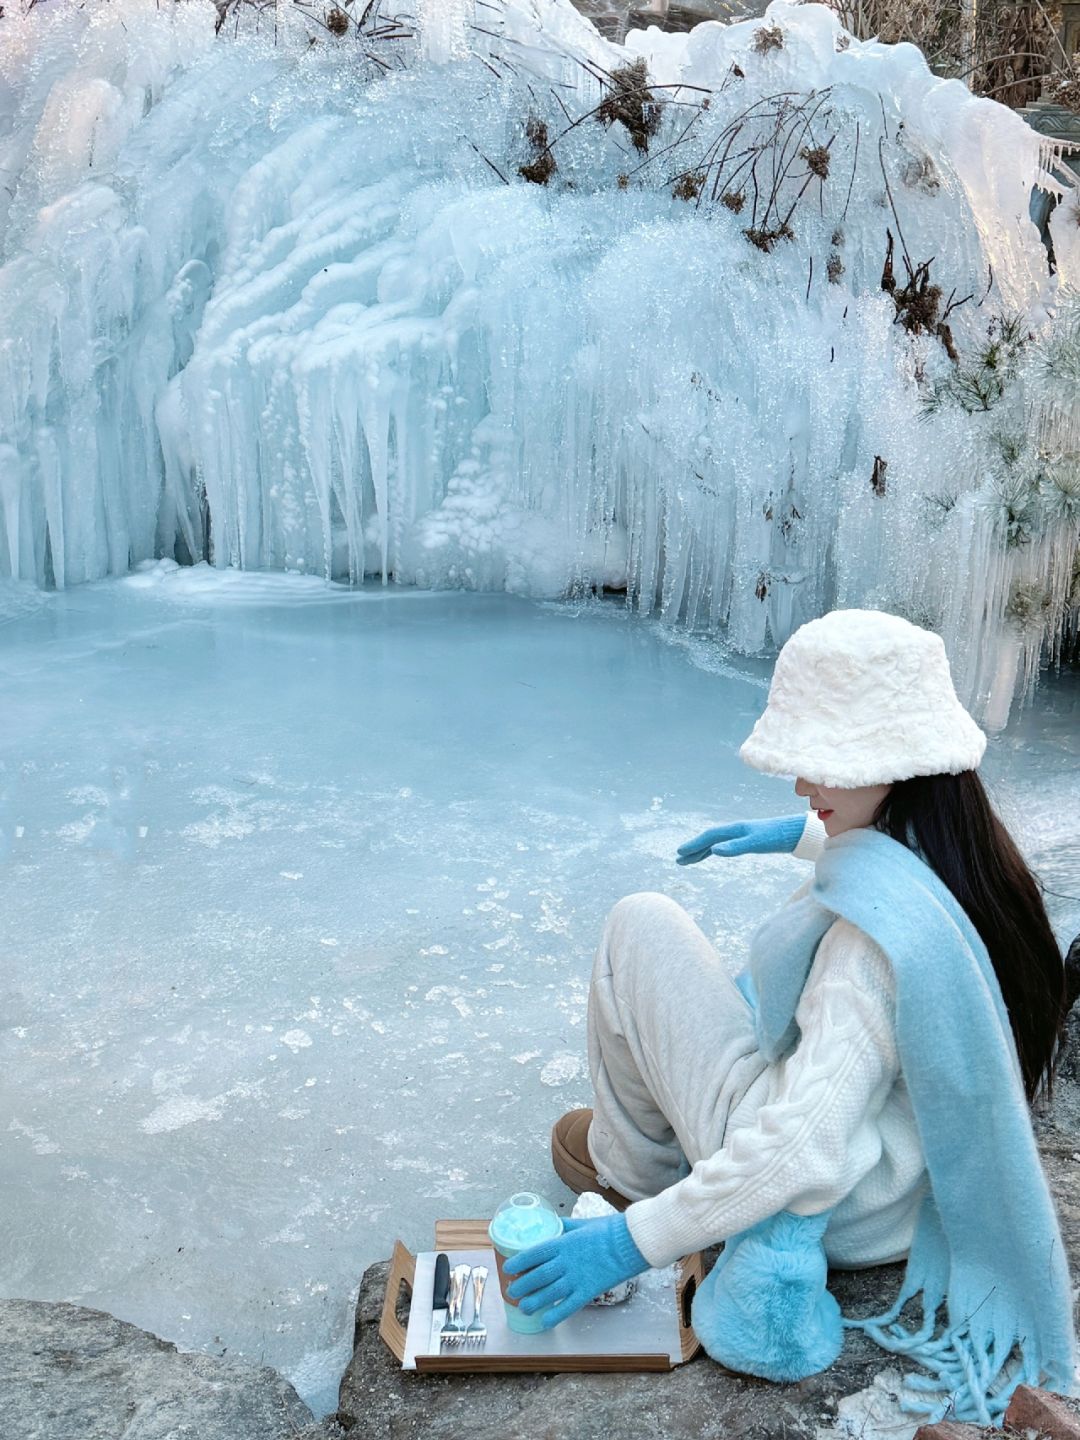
300	894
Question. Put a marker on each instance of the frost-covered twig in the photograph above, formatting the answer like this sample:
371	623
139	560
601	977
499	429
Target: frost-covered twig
854	167
892	202
488	162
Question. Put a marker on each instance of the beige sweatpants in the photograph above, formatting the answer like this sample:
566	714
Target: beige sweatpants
671	1047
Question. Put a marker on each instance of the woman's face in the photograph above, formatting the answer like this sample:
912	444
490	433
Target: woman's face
842	810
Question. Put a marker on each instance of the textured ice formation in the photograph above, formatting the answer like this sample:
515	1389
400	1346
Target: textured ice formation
265	305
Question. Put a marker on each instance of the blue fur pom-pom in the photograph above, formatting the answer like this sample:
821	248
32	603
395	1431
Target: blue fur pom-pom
763	1309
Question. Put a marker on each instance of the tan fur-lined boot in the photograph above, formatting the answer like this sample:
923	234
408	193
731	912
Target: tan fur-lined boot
572	1161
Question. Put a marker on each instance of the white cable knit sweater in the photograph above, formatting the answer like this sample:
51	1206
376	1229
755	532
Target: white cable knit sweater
831	1125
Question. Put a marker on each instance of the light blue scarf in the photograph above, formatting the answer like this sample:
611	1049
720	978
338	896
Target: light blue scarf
987	1240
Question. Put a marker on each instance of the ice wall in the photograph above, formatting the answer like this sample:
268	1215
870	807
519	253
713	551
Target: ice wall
269	304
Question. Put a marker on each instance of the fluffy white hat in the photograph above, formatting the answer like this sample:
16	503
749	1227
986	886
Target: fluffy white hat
860	697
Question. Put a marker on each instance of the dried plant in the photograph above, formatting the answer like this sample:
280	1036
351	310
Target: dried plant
788	517
765	158
542	166
768	37
765	239
1065	89
934	25
689	186
1015	51
834	268
817	160
877	477
627	100
1010	51
375	29
630	102
918	300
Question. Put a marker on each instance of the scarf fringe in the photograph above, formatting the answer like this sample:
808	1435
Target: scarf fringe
970	1379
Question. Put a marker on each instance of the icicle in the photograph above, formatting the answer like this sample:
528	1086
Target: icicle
10	492
1003	684
1051	153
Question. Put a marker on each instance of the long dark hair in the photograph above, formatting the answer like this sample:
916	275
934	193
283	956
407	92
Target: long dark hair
950	821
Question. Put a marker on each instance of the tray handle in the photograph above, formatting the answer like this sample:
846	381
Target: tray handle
402	1272
692	1272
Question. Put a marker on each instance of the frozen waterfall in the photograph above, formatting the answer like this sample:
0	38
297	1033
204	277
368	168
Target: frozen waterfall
275	305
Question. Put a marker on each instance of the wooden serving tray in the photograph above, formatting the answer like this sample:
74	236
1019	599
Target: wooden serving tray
596	1339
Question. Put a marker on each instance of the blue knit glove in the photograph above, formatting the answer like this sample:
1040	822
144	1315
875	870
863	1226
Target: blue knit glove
744	837
589	1257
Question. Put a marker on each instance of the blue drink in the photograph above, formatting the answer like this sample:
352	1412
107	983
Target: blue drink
523	1220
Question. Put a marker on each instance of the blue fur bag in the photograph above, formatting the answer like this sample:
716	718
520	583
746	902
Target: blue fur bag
763	1308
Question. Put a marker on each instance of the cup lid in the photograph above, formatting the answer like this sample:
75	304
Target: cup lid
524	1219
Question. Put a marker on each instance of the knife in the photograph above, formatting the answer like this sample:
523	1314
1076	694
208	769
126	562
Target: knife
440	1299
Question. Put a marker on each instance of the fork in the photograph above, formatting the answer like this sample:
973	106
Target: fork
476	1330
453	1332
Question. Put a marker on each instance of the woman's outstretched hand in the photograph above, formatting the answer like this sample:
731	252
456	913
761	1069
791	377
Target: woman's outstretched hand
560	1276
744	837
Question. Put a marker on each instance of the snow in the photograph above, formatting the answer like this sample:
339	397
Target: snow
872	1414
265	306
591	1206
213	1118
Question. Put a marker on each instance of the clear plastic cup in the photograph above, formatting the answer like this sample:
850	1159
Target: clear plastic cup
524	1219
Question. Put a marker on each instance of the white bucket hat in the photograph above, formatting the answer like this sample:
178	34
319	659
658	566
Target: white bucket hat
861	697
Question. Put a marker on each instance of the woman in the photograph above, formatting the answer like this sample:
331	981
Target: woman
860	1094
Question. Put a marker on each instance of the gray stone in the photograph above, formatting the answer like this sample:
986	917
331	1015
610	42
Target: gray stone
68	1373
379	1401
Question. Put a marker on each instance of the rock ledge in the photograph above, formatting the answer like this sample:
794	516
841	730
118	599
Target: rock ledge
68	1373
